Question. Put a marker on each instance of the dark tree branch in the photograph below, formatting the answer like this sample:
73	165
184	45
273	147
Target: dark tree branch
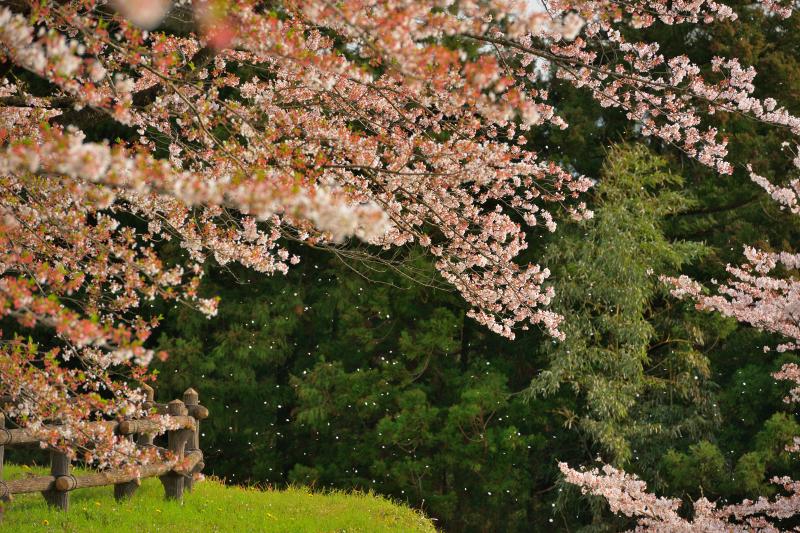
55	102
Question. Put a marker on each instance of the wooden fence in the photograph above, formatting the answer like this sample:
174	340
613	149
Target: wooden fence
183	442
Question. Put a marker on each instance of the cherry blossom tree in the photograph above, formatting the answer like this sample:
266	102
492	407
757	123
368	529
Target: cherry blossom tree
242	125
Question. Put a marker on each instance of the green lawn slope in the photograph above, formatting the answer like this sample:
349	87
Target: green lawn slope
211	507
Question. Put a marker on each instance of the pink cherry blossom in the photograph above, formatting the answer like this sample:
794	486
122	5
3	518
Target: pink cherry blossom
386	134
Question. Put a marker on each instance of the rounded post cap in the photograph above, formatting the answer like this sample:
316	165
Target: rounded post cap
176	407
190	396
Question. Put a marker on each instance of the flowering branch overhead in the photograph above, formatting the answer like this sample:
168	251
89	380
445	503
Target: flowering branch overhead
236	126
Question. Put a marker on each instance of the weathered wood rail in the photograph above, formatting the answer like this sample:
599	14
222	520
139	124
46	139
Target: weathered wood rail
183	443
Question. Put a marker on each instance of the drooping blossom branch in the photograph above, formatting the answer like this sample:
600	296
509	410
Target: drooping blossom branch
626	494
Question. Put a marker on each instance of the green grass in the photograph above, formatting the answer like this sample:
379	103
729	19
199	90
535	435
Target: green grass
212	506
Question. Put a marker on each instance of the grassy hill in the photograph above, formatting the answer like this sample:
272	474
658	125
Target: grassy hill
211	507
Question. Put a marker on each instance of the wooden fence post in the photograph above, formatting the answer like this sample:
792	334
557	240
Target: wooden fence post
125	490
176	442
59	466
146	439
191	398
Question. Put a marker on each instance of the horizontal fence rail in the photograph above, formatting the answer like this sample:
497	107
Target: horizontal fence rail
177	476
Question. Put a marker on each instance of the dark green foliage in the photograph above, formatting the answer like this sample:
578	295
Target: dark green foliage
635	375
703	469
238	363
